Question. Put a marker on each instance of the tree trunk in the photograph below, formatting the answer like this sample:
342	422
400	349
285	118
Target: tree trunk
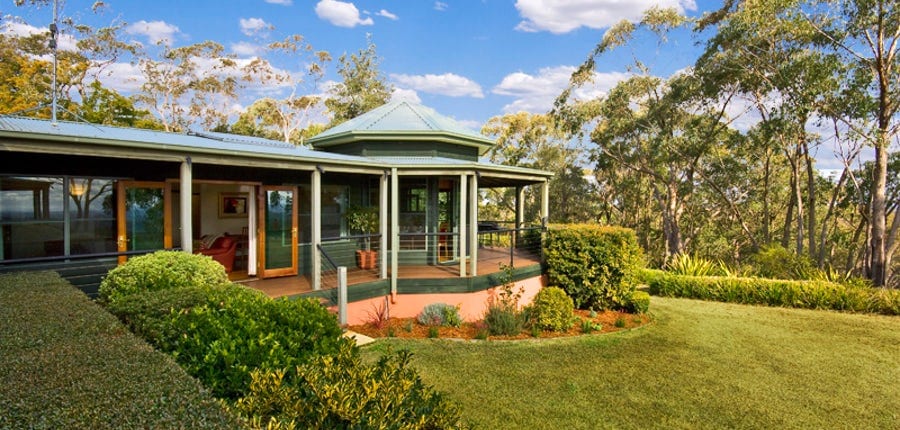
878	250
811	201
671	213
767	216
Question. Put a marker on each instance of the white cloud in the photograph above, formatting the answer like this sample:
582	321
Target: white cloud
401	94
19	29
246	49
251	26
471	124
281	2
563	16
440	6
341	14
536	93
155	31
123	77
447	84
386	14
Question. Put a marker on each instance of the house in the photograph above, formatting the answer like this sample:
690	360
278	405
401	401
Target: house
80	198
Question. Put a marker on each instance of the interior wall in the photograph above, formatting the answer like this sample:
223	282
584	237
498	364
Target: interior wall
210	221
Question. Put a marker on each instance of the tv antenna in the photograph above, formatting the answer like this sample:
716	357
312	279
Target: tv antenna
53	44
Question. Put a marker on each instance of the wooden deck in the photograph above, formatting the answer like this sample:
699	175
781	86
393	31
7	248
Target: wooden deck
490	260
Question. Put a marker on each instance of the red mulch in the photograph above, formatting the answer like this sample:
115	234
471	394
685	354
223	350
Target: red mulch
410	328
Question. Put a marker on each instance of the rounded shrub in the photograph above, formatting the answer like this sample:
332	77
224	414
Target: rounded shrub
597	266
552	309
220	334
639	303
440	314
776	262
161	270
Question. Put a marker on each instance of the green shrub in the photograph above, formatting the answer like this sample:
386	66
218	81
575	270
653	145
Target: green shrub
552	309
620	322
502	316
220	334
503	321
440	314
341	392
434	332
69	364
595	265
776	262
588	326
160	271
776	292
685	264
639	302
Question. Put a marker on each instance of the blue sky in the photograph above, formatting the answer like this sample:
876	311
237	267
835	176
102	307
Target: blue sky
470	60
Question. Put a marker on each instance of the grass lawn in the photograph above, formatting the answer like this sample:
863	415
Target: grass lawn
700	365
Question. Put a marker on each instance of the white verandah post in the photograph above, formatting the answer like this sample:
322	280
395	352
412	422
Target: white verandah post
186	190
463	192
316	195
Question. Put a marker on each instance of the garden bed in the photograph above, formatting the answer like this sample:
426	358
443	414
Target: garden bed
604	322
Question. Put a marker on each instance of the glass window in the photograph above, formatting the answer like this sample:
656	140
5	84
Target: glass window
334	205
92	216
32	220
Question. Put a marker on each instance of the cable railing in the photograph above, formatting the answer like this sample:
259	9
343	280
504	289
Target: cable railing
509	247
334	281
360	254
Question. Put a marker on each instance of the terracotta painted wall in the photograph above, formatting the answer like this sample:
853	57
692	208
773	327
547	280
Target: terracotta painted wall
472	305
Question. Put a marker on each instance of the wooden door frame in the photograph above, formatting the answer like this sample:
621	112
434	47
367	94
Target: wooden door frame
121	226
261	208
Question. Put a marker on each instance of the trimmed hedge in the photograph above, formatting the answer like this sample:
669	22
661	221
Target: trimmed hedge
161	270
67	363
775	292
221	334
343	392
595	265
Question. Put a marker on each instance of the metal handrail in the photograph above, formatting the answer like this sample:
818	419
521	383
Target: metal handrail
81	256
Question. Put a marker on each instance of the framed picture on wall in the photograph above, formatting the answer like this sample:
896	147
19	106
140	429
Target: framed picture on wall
232	205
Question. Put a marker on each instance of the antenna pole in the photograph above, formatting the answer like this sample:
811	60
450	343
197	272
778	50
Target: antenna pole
54	30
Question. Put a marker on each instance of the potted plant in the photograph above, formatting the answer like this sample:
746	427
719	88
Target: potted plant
363	220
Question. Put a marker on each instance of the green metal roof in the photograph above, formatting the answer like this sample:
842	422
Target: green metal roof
401	121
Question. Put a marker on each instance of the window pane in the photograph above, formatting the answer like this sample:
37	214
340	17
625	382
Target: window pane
31	217
92	216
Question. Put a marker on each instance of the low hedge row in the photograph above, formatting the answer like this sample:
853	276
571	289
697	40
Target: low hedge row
774	292
220	334
67	363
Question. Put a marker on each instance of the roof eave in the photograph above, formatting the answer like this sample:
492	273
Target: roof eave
483	145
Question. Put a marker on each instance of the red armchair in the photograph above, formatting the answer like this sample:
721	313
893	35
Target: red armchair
222	250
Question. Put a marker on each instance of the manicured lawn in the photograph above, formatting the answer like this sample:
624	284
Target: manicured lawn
67	363
700	365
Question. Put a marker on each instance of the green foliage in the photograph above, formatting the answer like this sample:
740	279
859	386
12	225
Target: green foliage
69	364
777	292
161	270
639	302
221	334
362	220
588	326
620	322
363	86
434	332
502	316
341	392
595	265
552	309
775	262
685	264
440	314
